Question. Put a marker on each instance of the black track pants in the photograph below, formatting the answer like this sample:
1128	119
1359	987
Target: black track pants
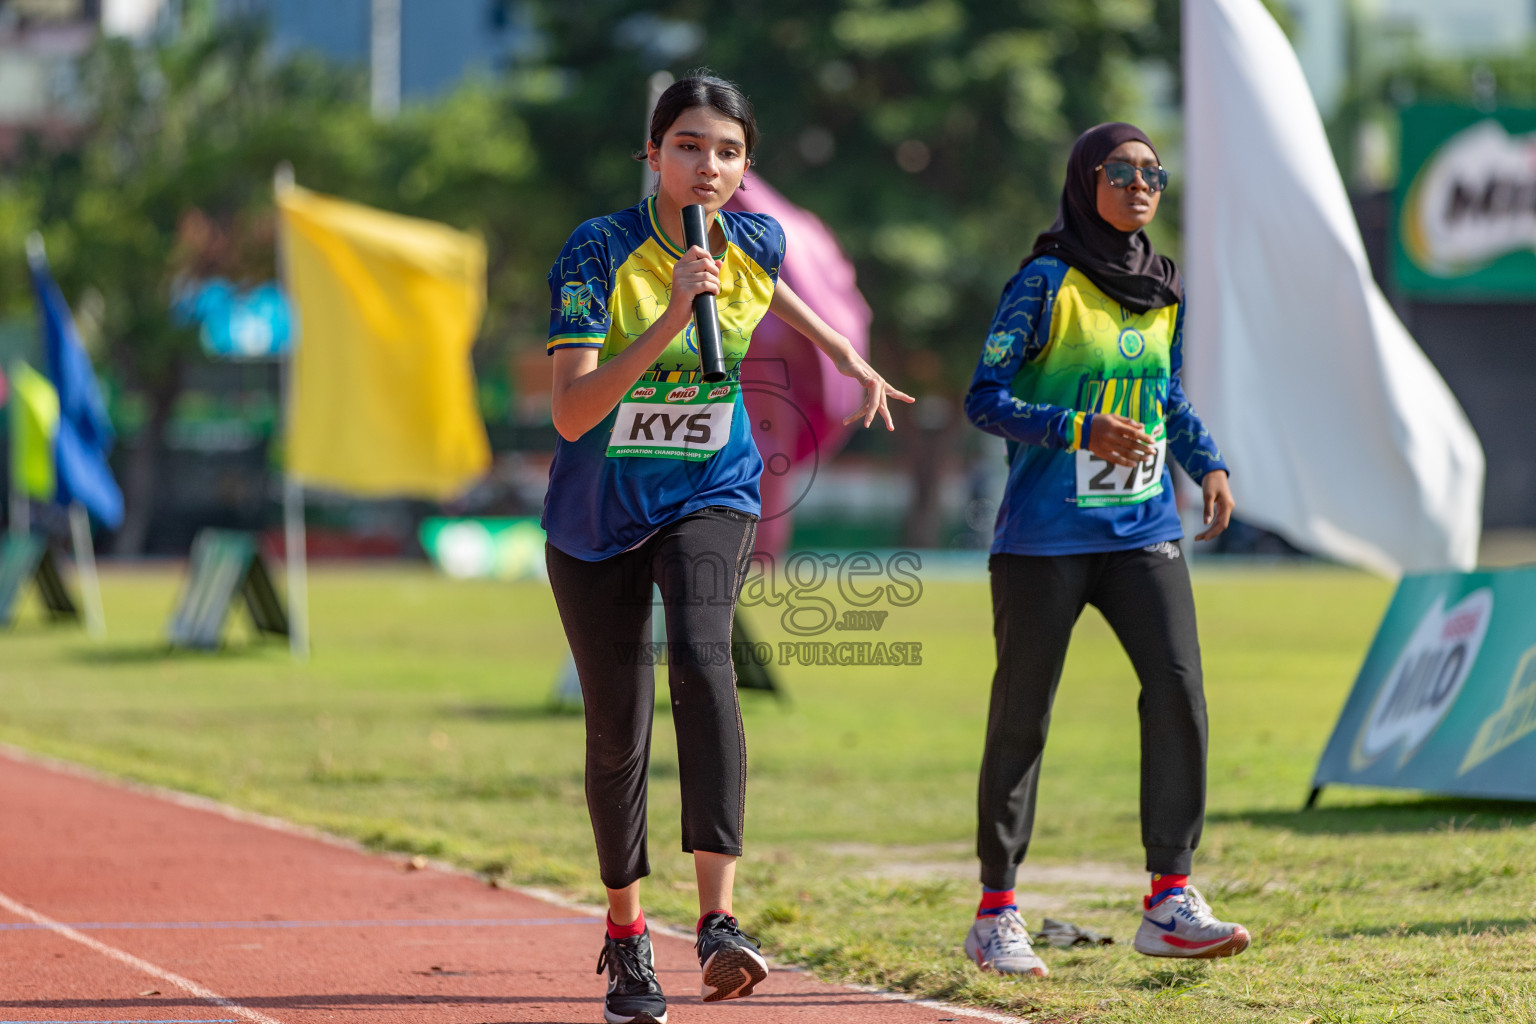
1145	596
698	562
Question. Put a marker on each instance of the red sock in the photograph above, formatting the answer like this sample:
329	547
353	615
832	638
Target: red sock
626	931
1161	884
698	926
994	902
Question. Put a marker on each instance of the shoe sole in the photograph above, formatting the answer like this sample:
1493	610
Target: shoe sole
731	974
1235	944
641	1018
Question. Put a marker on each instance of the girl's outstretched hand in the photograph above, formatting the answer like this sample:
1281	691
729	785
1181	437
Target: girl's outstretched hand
790	308
877	393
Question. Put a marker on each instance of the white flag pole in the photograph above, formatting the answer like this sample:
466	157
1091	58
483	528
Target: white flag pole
297	562
21	506
298	565
384	58
85	568
657	84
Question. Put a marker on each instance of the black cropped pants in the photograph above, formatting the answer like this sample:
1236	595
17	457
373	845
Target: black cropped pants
699	563
1145	595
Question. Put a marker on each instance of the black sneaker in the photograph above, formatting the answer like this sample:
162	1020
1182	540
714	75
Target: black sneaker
634	996
729	958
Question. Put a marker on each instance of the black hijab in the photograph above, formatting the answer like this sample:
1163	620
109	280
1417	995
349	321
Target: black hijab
1122	265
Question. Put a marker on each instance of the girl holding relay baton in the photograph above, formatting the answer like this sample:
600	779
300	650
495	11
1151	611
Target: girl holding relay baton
655	480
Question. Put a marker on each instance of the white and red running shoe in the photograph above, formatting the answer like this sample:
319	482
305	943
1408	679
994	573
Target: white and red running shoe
1182	925
1000	942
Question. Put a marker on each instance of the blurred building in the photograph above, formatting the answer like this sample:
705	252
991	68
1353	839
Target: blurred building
1454	27
1321	30
134	18
40	41
440	43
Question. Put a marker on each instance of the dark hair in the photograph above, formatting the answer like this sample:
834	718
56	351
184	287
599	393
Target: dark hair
701	89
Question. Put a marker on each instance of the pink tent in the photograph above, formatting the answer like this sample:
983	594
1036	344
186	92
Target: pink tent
796	399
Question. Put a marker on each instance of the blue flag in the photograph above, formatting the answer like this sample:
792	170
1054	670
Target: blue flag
85	434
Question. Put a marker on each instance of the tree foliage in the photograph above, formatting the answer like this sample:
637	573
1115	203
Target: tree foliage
173	177
931	135
1390	66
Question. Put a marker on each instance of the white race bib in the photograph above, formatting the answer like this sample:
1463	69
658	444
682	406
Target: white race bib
673	421
1102	483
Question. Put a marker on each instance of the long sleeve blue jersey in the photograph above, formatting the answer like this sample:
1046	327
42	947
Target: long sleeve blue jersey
1059	352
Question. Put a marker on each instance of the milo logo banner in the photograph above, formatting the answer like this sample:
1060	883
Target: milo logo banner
1446	700
1465	223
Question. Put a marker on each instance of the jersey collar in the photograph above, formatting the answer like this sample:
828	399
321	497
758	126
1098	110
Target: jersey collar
672	248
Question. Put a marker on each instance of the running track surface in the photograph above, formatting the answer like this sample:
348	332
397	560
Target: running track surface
122	906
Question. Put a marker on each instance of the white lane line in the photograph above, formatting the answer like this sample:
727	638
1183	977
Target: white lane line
128	959
425	922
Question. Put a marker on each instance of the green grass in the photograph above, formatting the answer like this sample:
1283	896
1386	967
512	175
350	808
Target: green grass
421	726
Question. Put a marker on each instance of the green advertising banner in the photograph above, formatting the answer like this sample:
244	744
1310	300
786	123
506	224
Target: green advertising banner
1446	699
486	548
1464	215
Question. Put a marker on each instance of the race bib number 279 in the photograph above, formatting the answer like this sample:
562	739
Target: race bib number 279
1102	483
673	421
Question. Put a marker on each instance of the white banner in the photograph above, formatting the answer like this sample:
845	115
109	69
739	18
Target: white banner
1341	435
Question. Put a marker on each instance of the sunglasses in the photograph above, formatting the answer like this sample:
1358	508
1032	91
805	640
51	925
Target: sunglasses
1120	174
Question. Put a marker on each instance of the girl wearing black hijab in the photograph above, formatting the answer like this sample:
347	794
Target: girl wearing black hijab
1080	373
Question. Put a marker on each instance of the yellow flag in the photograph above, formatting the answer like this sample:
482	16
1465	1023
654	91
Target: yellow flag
387	307
34	425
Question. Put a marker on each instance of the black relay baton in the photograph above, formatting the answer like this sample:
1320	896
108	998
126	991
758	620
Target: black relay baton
705	317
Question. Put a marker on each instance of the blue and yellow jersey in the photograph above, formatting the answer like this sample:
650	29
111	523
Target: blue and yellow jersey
1058	352
612	281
